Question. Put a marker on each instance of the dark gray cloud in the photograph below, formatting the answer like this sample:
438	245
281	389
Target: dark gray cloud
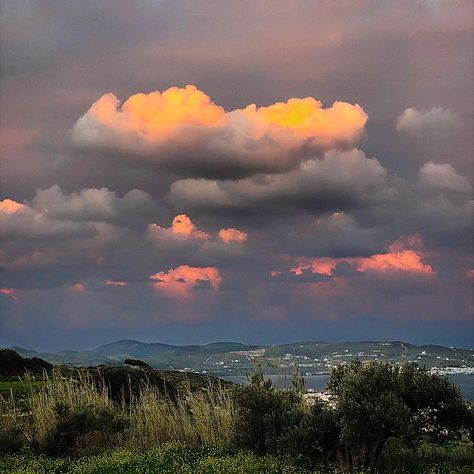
340	180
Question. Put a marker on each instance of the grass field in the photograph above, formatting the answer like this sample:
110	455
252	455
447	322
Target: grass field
169	459
178	459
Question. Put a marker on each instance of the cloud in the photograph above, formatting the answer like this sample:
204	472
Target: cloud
78	287
232	235
10	292
182	227
115	283
432	124
340	180
183	131
180	281
442	178
92	204
400	258
335	235
18	220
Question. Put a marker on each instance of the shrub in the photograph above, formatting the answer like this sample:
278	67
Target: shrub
317	436
378	401
264	415
74	424
12	436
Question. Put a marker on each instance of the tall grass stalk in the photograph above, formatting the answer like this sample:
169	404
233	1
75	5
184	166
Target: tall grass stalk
196	418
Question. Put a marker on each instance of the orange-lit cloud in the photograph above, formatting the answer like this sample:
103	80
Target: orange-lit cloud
8	206
404	261
183	130
182	280
78	287
232	235
115	283
399	258
182	226
275	273
307	118
323	266
8	292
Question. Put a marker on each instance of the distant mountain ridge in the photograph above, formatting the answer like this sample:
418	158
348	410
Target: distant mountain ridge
234	358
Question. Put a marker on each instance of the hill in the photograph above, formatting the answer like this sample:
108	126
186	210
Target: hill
233	358
13	364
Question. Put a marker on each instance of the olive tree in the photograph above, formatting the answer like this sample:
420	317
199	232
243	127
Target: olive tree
377	401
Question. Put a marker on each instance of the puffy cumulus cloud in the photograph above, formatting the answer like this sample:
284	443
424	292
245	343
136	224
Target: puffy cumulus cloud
433	124
181	281
340	180
183	131
232	235
182	227
183	234
92	204
403	256
18	220
441	178
34	238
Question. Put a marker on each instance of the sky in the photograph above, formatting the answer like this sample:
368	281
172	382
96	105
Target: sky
263	172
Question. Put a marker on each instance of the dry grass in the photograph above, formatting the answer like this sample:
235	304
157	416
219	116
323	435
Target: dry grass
202	418
195	419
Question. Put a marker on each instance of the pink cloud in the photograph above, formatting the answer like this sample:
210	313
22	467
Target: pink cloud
232	235
78	287
404	255
8	292
9	206
182	280
182	226
403	261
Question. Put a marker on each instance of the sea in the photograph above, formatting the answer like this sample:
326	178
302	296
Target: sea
318	382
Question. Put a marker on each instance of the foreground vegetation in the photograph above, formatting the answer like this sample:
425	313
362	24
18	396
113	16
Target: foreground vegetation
176	459
381	418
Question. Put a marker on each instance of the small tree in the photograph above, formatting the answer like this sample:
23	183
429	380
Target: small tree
264	415
317	436
377	401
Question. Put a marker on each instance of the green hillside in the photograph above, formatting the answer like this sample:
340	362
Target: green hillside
232	358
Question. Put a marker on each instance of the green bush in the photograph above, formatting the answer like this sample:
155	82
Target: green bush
264	416
74	424
12	436
377	402
316	438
